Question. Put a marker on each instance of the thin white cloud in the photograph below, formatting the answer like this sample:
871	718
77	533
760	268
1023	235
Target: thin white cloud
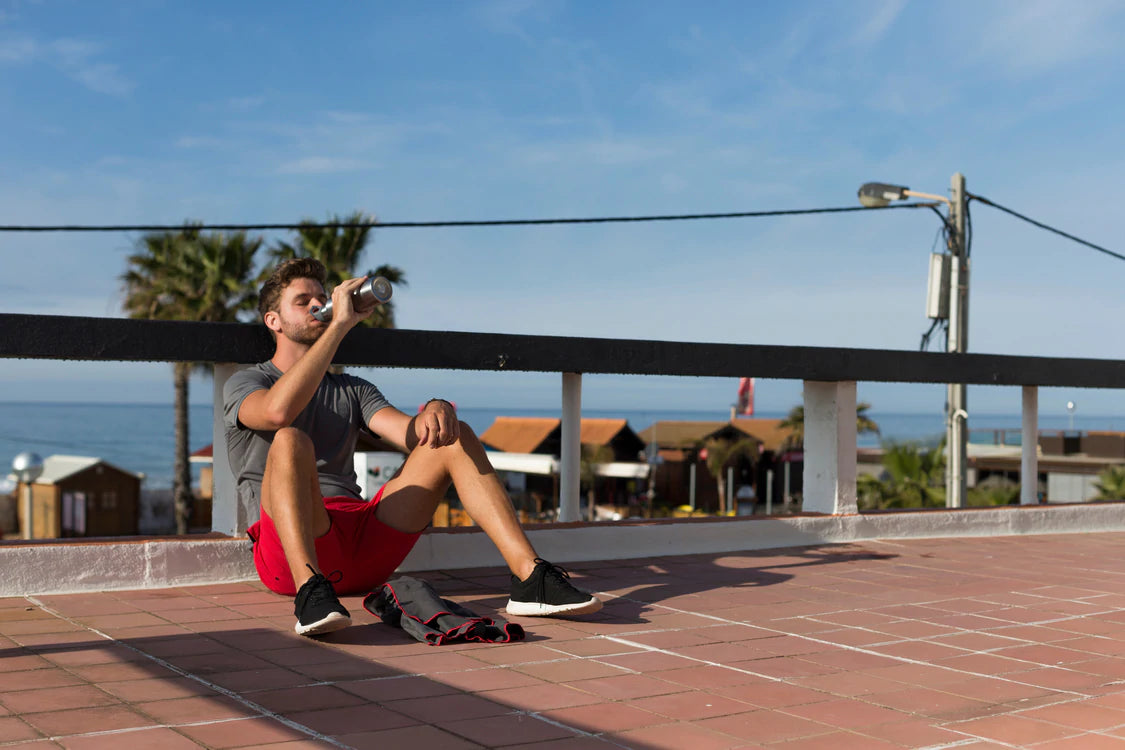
75	58
510	16
245	103
18	49
1033	36
878	23
323	165
604	152
200	141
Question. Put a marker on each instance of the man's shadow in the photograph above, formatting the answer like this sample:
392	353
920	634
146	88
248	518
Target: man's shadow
633	587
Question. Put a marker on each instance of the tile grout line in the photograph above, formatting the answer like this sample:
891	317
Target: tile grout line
818	618
261	710
697	660
903	659
126	730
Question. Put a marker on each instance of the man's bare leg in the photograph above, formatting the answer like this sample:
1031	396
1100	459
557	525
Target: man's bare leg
291	498
411	497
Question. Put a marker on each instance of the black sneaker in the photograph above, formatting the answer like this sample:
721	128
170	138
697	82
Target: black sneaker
547	591
318	609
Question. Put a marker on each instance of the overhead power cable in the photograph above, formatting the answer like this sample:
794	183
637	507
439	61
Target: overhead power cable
1049	228
422	224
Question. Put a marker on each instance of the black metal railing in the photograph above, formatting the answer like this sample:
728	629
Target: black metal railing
114	339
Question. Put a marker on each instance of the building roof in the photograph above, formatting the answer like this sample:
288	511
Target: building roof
528	434
768	431
519	434
601	431
686	434
58	467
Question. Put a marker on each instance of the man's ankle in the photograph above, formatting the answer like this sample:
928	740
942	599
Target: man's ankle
523	571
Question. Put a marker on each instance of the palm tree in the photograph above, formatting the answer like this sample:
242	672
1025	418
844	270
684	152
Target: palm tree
912	478
187	275
1111	483
339	248
795	423
720	452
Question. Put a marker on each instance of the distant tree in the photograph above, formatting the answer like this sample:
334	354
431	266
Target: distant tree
1111	483
340	250
720	453
590	457
991	493
912	478
795	423
188	275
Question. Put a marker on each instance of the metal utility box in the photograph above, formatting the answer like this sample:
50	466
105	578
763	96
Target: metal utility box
937	287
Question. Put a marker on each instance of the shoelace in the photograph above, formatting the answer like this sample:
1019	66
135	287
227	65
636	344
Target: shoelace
557	572
322	589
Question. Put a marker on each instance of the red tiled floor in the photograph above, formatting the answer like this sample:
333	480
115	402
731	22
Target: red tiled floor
543	697
84	720
418	736
158	738
678	736
968	643
510	729
242	733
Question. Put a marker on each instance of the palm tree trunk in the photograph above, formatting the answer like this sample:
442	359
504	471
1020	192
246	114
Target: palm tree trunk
181	471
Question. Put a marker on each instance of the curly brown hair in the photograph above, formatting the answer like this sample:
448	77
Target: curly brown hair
294	268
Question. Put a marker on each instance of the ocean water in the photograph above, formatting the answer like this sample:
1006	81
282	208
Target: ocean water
140	438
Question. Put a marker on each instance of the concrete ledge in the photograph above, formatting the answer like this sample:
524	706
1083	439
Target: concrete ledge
115	565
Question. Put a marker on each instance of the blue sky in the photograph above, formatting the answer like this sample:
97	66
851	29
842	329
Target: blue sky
157	112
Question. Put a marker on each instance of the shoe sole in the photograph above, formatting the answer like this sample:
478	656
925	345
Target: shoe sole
334	621
538	609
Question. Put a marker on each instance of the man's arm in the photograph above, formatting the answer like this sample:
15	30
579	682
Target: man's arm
278	406
437	425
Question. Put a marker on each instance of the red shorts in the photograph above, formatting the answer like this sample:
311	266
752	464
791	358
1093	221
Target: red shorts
363	549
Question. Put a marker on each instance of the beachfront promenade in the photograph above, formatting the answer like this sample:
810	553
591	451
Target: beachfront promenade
959	628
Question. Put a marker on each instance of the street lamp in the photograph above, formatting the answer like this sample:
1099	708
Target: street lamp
27	467
877	195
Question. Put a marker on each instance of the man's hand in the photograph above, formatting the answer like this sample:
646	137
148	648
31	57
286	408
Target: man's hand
437	425
344	312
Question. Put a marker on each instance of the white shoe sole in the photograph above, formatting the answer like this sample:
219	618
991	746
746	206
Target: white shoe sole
334	621
538	609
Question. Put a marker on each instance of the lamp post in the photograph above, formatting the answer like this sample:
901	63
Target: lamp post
27	467
878	194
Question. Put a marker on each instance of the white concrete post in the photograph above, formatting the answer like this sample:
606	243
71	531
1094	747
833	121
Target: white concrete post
229	515
691	485
830	448
569	468
1029	453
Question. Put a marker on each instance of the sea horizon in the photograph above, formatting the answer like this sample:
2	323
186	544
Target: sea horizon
139	436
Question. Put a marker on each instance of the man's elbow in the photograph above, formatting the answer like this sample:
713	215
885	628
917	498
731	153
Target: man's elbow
275	419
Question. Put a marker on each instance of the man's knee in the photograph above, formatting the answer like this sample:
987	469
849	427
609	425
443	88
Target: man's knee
290	441
290	451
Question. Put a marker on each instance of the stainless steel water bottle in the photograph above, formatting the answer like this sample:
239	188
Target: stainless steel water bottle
376	289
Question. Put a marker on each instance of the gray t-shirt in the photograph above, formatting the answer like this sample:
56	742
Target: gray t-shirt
341	405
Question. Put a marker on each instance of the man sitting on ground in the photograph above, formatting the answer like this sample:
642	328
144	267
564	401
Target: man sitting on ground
291	428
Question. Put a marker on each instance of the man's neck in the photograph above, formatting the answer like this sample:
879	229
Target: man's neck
288	353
